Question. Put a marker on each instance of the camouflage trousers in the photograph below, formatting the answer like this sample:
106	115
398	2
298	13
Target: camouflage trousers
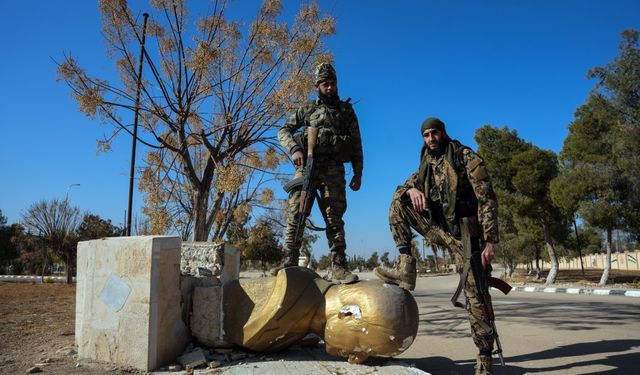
402	217
329	182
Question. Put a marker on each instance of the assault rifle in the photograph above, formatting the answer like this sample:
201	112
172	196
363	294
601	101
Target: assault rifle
306	194
483	281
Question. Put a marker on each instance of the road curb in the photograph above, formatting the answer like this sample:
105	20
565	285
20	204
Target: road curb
570	290
34	279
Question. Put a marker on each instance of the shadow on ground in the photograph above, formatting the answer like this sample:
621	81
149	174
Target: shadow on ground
618	364
450	322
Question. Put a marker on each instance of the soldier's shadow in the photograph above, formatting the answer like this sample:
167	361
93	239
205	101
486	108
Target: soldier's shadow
443	365
606	351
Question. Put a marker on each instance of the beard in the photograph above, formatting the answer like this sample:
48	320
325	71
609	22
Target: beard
439	151
330	100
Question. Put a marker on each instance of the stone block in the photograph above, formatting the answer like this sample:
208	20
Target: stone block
128	301
187	285
207	316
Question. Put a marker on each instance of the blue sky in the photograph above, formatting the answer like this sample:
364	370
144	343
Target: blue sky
520	64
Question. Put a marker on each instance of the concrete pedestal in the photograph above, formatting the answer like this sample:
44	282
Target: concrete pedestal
128	301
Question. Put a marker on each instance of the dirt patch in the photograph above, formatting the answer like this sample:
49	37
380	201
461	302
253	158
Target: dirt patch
37	325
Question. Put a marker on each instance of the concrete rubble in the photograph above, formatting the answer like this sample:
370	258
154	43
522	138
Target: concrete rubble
202	258
193	359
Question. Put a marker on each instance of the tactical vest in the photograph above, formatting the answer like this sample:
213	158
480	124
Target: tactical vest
454	198
334	138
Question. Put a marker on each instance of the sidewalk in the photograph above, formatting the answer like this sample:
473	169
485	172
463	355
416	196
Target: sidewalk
298	360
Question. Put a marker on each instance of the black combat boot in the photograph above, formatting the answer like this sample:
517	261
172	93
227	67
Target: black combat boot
339	271
484	365
290	260
403	275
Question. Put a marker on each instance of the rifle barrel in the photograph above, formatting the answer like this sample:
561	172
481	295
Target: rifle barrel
498	351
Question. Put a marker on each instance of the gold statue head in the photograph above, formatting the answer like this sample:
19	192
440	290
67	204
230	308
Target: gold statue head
369	319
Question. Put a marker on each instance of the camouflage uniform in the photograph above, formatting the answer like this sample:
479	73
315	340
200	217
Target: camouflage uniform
455	182
473	186
338	142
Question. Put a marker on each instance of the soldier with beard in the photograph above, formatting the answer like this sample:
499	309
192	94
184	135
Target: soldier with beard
338	143
451	183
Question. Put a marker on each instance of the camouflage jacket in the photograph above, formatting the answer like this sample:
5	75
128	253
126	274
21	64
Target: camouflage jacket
459	175
338	135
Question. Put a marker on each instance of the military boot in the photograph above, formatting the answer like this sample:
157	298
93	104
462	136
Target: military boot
339	271
484	365
290	260
403	275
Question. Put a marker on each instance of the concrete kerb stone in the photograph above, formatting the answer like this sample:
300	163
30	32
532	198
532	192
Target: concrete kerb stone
578	290
34	279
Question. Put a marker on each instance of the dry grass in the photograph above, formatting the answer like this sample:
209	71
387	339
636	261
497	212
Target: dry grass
37	325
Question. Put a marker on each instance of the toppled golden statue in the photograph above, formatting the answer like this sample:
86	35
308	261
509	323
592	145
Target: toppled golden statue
360	320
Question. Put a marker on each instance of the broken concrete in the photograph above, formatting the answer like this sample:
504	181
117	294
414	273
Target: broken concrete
205	259
193	359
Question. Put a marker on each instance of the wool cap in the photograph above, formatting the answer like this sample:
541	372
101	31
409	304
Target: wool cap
432	123
325	72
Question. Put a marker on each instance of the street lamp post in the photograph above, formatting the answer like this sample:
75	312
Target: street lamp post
66	196
135	125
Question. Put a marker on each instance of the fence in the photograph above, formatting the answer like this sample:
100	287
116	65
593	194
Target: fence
627	260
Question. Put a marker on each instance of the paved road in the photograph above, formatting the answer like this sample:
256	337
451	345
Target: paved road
540	332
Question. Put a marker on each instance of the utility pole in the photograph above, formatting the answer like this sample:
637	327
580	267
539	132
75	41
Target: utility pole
135	125
66	196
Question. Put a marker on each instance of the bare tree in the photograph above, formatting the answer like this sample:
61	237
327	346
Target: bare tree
209	108
56	223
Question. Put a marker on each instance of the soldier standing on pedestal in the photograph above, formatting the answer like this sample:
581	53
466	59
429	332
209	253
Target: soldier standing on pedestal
338	143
